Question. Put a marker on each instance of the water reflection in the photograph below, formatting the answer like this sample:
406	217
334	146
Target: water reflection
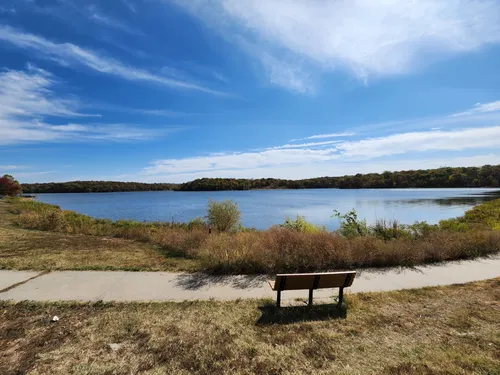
472	200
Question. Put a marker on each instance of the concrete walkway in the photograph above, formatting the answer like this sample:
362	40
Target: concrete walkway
165	286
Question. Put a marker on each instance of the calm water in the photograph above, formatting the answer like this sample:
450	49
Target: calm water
263	208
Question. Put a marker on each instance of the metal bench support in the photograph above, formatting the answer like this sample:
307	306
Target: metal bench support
281	287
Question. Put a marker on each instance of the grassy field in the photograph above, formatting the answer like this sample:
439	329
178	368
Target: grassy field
432	331
46	250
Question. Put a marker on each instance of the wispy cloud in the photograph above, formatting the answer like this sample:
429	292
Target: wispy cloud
323	136
346	151
455	140
303	145
141	111
130	5
364	37
28	97
245	160
4	10
28	94
11	167
97	16
68	54
481	108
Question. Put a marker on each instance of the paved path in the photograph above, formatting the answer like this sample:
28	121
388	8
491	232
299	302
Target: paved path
165	286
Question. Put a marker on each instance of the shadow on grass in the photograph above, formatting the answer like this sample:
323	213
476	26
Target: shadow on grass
195	281
271	314
170	252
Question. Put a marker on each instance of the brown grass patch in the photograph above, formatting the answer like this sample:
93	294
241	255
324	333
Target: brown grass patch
406	332
281	250
26	249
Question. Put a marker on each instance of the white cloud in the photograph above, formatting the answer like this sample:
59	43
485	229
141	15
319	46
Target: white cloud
288	75
344	156
303	145
245	160
366	37
27	98
28	94
11	167
481	108
68	54
95	15
323	136
454	140
142	111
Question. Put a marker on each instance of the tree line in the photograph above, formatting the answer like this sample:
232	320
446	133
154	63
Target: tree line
486	176
93	187
447	177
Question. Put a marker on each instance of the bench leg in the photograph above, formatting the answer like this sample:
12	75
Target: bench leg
341	297
278	299
310	297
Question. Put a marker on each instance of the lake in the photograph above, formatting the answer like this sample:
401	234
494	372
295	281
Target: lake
263	208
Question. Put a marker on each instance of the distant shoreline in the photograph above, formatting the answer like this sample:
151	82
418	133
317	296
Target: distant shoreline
33	195
487	176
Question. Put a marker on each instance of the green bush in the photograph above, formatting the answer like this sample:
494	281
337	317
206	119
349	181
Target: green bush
301	225
454	225
350	225
224	215
196	223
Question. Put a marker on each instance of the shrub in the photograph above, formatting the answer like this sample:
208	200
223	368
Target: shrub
224	215
350	225
197	222
388	230
9	186
301	225
453	225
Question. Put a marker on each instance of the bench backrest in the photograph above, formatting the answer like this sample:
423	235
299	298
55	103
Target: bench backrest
296	281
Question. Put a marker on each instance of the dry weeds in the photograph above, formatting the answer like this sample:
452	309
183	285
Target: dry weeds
444	330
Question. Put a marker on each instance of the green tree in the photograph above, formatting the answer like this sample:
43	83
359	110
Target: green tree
9	186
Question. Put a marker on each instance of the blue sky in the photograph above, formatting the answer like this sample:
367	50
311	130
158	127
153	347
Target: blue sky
172	90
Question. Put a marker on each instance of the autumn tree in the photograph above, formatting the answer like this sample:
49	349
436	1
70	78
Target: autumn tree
9	186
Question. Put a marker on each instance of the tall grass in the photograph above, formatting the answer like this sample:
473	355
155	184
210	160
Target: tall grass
296	246
281	250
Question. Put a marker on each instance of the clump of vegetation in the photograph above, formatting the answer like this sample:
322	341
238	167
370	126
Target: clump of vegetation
301	225
9	186
224	215
350	225
296	246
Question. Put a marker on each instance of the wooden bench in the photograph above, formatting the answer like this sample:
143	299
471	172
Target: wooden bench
311	281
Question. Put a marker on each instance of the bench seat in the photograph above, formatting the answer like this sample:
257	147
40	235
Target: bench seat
312	281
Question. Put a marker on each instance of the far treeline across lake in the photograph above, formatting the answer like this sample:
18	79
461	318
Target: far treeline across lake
446	177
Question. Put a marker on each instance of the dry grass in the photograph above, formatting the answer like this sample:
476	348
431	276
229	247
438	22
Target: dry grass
281	250
41	250
189	246
445	330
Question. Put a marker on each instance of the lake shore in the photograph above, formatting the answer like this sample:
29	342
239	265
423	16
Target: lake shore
45	237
